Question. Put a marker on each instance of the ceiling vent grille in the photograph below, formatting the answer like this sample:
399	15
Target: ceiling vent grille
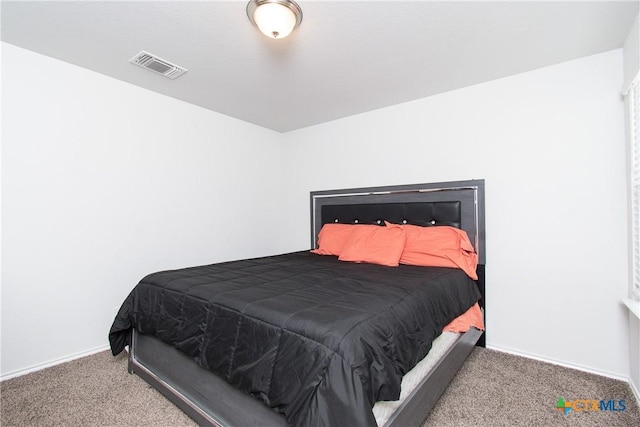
157	65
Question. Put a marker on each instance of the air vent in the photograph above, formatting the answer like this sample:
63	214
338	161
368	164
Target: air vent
157	65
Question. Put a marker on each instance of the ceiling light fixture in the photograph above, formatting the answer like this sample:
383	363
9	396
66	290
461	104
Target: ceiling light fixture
275	18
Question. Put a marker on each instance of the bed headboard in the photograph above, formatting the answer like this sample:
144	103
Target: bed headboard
459	204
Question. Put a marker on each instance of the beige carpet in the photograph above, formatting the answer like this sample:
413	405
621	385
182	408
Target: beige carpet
492	389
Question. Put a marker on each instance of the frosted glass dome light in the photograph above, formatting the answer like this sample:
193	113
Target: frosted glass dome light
275	18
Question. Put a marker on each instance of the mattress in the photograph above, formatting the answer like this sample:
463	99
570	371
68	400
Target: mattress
316	339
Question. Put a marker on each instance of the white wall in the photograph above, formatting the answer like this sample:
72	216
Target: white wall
551	146
104	182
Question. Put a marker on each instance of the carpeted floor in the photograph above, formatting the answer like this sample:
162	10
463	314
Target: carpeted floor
492	389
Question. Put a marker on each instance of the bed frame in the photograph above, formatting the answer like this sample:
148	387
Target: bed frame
211	401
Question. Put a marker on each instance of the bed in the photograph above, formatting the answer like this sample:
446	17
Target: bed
312	340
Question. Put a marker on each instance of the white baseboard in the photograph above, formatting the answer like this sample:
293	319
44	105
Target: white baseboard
51	363
635	391
560	363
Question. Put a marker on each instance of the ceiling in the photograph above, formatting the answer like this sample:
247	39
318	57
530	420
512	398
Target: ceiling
347	57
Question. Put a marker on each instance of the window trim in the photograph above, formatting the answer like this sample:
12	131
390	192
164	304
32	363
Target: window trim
632	95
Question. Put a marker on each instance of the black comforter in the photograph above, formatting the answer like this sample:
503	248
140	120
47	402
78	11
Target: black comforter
317	339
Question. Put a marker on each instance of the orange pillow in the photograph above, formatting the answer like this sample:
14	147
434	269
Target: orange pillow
332	237
375	245
462	323
439	246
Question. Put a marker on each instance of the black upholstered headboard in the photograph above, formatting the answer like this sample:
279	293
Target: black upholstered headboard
459	204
